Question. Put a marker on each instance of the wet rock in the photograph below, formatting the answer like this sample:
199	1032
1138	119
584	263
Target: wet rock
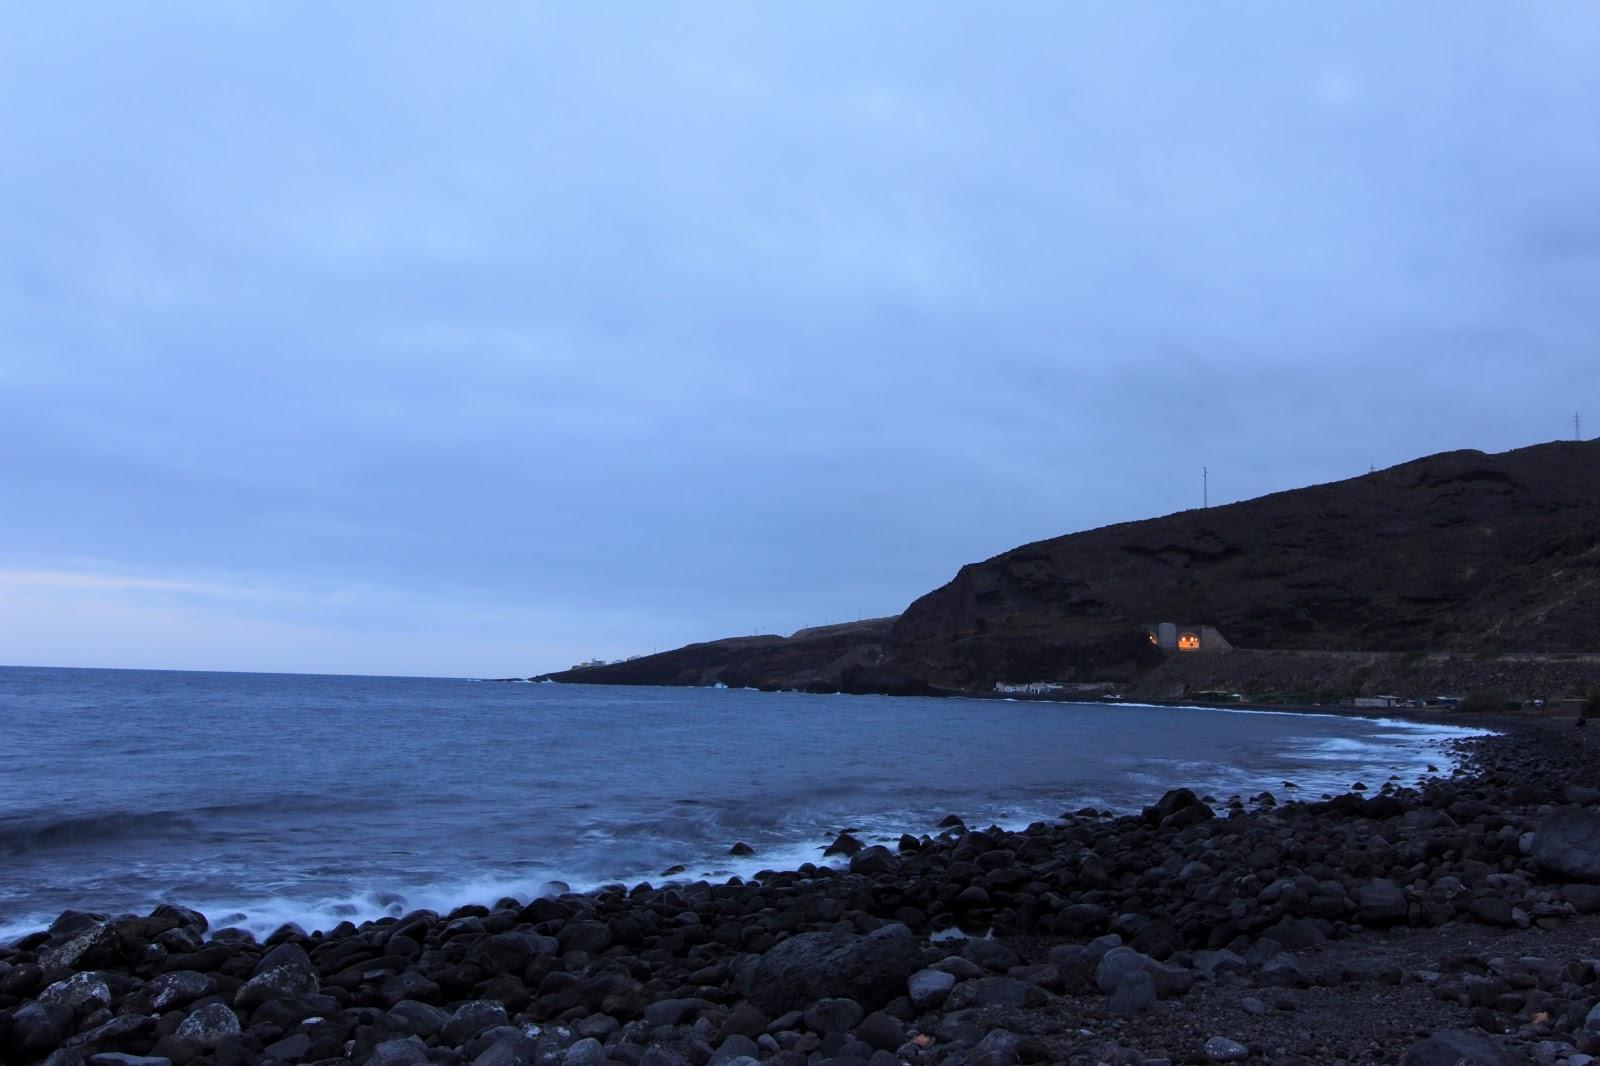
208	1025
36	1028
881	1031
585	1052
425	1019
674	1011
585	936
1456	1047
843	844
1120	961
973	898
833	1015
1295	933
741	848
1567	843
998	1048
988	992
1222	1049
179	989
874	860
1135	994
1178	808
290	1048
472	1018
78	994
280	982
812	966
744	1020
1382	902
409	986
111	1032
929	988
95	946
402	1051
1492	910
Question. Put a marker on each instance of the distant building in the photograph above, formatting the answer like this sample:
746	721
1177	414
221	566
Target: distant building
1030	688
1378	701
588	663
1172	636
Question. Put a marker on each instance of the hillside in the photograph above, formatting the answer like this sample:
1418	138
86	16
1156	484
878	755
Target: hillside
1461	551
822	658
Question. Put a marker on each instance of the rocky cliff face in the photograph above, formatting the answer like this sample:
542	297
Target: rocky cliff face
1460	551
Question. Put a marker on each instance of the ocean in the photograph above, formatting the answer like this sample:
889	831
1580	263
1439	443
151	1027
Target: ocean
265	798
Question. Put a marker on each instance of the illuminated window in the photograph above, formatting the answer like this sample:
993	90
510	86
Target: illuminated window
1189	642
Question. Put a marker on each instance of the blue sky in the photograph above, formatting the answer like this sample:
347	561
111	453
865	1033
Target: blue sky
476	339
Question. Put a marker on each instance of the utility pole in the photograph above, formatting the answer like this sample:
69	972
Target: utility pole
1577	426
1205	488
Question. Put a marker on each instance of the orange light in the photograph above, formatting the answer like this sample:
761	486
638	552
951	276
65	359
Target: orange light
1189	642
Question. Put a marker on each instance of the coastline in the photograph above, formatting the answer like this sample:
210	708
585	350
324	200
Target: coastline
1216	907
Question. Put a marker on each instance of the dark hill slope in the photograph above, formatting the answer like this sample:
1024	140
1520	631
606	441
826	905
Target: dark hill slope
1461	551
821	658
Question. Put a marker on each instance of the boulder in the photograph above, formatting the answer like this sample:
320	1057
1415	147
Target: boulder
179	989
673	1011
834	1015
585	1052
1223	1049
208	1026
36	1028
1382	902
874	860
424	1018
405	1051
280	982
1119	962
1135	994
929	988
97	945
80	993
812	966
843	844
109	1034
586	936
1177	808
472	1018
881	1031
1456	1047
1567	843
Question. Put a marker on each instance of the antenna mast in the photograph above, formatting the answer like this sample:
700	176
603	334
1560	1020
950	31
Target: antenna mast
1577	426
1205	488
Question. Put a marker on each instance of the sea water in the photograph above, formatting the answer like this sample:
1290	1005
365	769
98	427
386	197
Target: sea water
265	798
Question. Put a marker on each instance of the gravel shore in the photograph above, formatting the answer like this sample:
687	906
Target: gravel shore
1451	921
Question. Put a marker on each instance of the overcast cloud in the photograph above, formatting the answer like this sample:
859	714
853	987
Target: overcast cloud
475	339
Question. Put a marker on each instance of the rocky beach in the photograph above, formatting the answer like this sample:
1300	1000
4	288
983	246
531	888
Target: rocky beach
1443	921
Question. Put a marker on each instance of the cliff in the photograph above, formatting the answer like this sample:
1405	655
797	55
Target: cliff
1462	551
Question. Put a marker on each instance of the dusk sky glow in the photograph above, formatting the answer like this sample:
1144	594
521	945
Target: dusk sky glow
479	339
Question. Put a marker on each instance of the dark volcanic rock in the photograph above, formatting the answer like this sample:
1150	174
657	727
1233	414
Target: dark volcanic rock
1455	1047
1567	843
813	966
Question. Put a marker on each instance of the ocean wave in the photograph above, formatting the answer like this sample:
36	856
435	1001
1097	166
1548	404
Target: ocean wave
22	834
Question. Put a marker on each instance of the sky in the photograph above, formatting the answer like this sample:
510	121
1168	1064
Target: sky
477	339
